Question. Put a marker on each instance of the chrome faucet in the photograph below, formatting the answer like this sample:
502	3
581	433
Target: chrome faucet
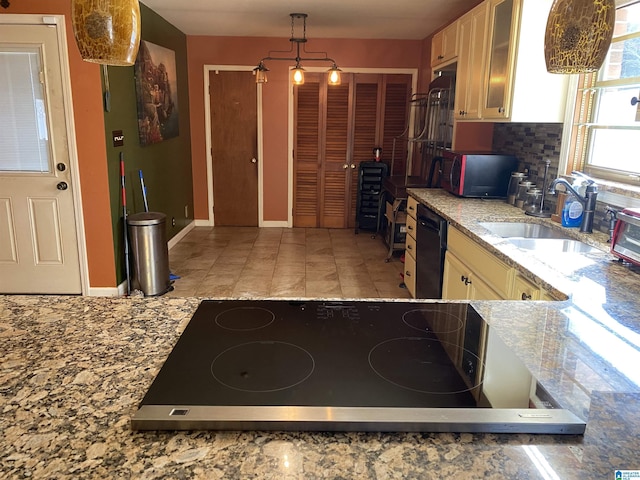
588	201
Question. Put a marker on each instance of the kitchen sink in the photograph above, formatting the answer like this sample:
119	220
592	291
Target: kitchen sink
533	236
552	245
523	230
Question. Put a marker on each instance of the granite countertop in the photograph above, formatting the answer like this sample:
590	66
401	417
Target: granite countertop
74	369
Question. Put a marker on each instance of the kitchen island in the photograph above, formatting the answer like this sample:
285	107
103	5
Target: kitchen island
74	369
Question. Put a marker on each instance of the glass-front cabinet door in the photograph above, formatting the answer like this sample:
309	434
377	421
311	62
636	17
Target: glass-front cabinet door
500	64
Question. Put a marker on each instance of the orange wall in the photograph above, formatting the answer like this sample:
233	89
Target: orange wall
248	51
89	125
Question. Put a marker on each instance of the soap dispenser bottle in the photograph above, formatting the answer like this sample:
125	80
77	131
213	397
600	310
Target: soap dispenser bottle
573	209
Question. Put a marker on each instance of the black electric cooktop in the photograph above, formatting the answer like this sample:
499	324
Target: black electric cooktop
350	366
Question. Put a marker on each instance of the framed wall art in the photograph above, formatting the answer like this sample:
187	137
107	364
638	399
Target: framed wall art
156	93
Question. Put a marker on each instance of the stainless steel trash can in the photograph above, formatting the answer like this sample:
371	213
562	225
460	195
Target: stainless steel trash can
148	242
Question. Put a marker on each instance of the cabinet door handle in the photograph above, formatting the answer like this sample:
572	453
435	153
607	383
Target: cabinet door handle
409	247
409	227
465	280
407	274
525	296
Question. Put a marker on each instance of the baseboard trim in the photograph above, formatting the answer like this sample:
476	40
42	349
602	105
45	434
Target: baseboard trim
108	291
204	223
274	224
180	235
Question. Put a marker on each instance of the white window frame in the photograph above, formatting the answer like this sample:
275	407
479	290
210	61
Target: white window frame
571	157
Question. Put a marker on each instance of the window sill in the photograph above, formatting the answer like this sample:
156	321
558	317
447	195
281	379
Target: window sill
618	194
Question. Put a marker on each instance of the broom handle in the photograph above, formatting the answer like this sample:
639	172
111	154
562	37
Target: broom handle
124	218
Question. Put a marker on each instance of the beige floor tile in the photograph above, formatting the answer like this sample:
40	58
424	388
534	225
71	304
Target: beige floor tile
280	262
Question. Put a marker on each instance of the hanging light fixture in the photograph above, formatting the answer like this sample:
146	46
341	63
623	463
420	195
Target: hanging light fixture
261	73
107	31
297	73
334	75
578	35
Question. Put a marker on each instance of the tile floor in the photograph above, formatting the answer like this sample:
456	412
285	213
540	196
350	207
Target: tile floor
283	262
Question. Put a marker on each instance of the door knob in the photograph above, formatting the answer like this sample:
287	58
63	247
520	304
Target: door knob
61	167
345	166
353	165
254	160
62	186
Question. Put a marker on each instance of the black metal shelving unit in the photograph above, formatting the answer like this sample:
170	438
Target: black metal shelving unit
368	206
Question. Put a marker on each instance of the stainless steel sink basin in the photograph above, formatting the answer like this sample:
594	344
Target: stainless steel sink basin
523	230
552	245
541	238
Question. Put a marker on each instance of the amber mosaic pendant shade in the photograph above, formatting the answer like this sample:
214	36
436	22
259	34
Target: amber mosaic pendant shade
107	31
578	35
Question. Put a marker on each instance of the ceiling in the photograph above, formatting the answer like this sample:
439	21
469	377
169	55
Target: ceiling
388	19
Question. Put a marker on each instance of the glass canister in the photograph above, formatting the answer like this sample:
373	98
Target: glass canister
532	202
523	187
512	190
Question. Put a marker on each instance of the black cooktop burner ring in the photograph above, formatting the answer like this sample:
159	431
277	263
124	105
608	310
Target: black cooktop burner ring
430	328
258	318
262	366
412	370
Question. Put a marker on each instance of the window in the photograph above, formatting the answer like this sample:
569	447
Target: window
606	125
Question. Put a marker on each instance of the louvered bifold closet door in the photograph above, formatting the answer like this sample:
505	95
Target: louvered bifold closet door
366	130
397	94
336	128
307	149
335	171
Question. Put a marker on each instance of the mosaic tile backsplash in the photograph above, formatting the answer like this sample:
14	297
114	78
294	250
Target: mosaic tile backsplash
533	144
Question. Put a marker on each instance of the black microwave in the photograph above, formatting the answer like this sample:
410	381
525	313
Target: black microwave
480	175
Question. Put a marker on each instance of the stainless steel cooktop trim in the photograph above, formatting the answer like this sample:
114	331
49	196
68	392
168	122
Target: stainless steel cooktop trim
354	419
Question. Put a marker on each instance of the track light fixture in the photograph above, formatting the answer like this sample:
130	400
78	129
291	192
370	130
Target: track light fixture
297	74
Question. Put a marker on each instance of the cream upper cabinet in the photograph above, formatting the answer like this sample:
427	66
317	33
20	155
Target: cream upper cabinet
444	45
517	85
472	33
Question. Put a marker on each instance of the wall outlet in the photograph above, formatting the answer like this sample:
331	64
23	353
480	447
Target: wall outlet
173	221
186	211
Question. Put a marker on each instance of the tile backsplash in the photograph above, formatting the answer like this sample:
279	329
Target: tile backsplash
532	144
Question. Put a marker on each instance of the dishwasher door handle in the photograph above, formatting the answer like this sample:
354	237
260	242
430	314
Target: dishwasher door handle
429	225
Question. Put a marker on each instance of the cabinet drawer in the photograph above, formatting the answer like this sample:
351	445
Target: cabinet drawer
410	274
412	207
411	226
523	289
482	263
410	245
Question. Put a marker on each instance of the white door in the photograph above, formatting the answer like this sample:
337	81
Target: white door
38	238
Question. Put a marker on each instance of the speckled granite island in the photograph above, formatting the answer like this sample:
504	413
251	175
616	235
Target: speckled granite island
74	369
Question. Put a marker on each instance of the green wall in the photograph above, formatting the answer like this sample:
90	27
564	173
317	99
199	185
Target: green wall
166	166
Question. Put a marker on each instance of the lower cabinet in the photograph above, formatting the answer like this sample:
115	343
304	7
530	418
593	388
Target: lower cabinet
523	289
460	283
473	273
410	247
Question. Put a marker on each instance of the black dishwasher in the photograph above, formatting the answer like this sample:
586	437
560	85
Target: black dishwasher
431	240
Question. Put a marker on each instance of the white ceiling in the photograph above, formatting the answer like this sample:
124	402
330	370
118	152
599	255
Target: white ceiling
389	19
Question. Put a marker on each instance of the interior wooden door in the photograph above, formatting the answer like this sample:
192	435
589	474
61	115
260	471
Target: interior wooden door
234	148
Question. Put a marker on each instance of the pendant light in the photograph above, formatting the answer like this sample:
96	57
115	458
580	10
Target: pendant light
107	31
578	35
297	73
334	75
